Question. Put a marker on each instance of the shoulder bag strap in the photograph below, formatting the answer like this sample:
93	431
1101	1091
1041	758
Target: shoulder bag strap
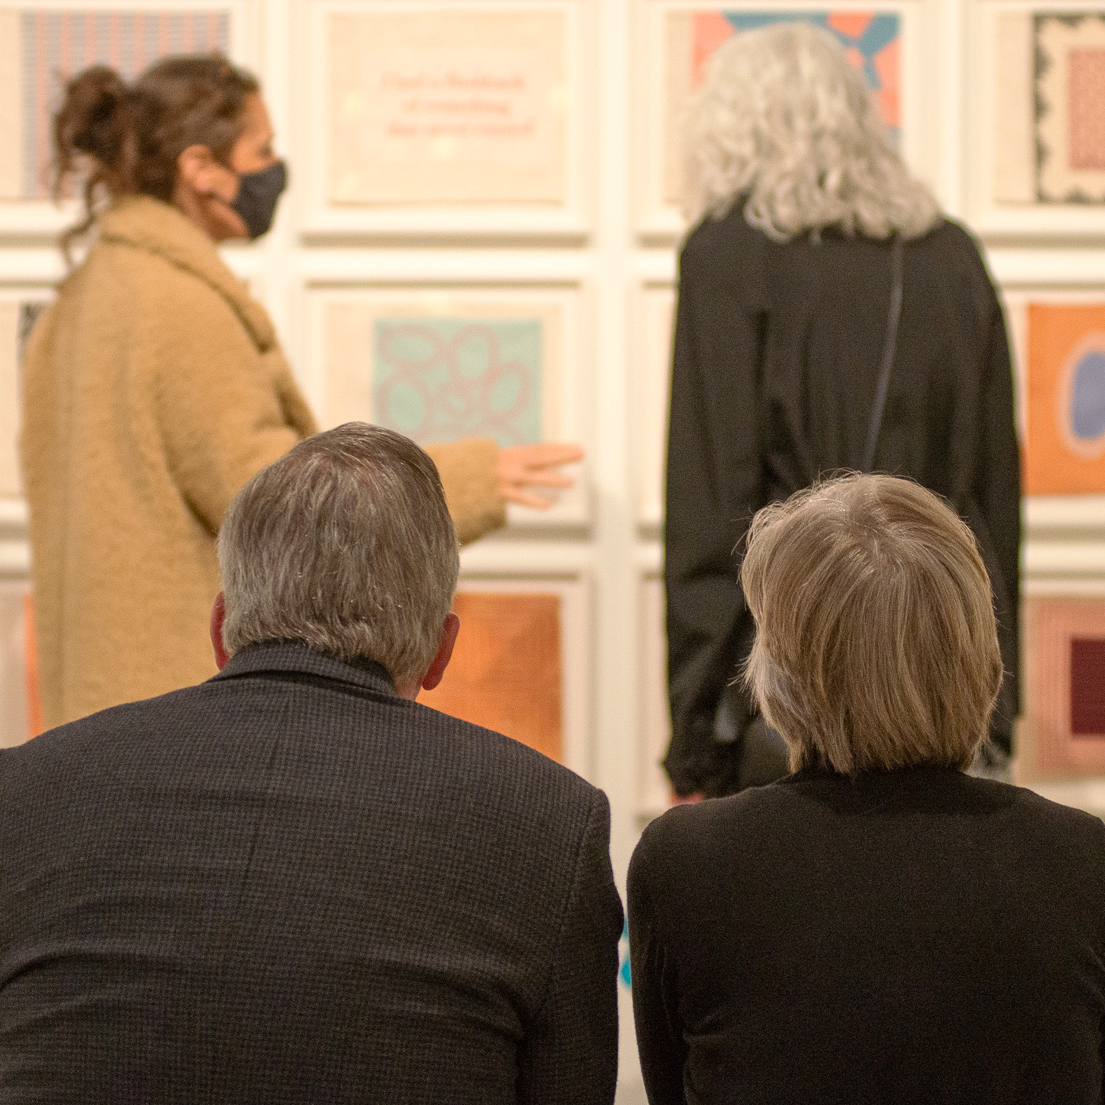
887	364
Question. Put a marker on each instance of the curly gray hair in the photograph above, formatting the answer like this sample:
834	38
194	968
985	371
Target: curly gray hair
784	123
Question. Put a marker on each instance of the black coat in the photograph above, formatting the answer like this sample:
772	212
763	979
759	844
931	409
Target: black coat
290	885
777	351
916	937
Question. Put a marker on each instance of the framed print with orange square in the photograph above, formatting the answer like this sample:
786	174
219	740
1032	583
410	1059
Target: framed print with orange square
886	41
457	117
1036	131
44	42
1064	374
520	665
1063	729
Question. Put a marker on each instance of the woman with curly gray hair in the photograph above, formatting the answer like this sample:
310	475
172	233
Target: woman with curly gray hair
829	318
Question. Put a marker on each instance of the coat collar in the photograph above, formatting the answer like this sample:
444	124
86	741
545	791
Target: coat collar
149	224
295	657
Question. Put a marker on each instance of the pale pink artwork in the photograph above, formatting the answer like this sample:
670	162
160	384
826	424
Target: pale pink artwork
1087	108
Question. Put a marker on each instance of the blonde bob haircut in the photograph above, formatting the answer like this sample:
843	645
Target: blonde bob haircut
876	645
787	126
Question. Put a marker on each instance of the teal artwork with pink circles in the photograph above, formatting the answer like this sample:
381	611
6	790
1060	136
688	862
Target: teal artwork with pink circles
442	378
872	41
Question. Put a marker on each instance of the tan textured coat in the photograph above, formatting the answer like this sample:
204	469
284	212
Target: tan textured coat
153	389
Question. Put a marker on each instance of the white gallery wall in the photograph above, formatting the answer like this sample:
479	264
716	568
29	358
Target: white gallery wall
483	192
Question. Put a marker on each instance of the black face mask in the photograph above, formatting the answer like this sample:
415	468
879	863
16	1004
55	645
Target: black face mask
257	196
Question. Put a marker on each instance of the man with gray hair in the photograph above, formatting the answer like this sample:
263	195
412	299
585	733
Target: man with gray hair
292	883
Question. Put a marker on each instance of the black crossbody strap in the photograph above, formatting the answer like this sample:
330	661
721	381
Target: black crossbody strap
887	365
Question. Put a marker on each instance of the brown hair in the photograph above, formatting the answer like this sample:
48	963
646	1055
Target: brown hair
876	644
127	138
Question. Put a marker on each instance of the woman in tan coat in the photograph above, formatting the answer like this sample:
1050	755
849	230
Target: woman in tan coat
154	387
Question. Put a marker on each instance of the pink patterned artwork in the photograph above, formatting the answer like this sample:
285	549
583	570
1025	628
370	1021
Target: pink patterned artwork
442	378
57	43
1068	101
1087	108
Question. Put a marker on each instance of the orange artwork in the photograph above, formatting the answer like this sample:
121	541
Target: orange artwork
1064	710
1065	449
505	670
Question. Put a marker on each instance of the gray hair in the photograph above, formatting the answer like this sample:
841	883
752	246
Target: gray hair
876	645
345	544
787	124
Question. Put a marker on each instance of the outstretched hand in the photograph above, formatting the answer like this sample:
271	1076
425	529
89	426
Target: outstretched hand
525	466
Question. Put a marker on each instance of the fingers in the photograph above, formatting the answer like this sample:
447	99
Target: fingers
524	498
524	466
540	455
540	477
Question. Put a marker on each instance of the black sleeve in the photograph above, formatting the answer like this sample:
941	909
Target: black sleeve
998	494
569	1055
714	486
660	1043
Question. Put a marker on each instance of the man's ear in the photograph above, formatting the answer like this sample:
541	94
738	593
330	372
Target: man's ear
218	616
440	662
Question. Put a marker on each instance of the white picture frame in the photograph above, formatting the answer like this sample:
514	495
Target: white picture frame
345	322
373	185
74	33
1000	160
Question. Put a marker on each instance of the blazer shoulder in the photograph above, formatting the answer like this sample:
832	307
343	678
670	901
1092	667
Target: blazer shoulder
491	753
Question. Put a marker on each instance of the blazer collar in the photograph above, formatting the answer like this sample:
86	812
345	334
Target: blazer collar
148	224
293	656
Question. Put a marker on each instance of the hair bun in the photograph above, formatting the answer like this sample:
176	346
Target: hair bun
90	117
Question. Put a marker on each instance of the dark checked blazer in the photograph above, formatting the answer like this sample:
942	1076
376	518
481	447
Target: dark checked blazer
288	884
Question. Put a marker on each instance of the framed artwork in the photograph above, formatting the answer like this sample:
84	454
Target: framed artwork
44	42
1059	347
18	311
883	40
1040	135
441	363
654	727
655	312
1063	729
445	116
520	665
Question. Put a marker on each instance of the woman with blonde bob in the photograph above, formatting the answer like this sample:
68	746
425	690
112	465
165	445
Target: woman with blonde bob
829	317
878	926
